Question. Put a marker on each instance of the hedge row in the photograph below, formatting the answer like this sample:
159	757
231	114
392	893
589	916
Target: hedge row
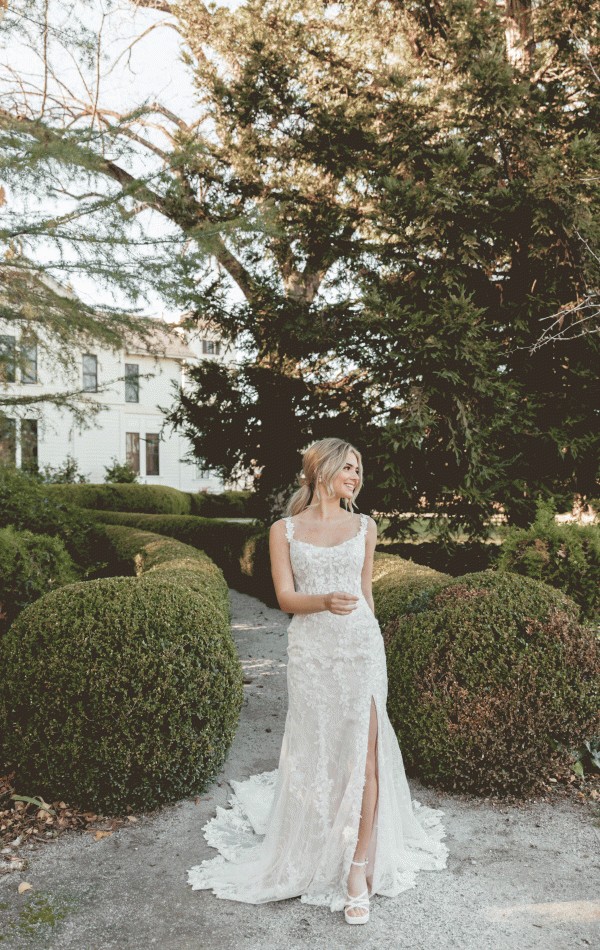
30	565
127	690
154	499
240	549
25	506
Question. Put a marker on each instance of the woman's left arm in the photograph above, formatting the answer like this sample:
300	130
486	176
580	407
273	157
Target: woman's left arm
366	578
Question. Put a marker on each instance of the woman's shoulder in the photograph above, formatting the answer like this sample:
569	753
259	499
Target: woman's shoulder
279	527
371	525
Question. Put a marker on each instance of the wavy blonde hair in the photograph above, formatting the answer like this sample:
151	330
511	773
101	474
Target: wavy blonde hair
322	462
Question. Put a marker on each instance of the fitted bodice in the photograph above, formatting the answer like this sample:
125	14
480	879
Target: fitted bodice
320	570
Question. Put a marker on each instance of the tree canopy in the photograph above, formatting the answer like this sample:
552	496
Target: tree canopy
382	203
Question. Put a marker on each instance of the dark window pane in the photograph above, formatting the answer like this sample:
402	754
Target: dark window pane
211	347
132	382
152	454
132	450
7	358
29	443
90	373
29	371
8	441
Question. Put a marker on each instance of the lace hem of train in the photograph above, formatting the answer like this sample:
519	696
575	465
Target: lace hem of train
237	833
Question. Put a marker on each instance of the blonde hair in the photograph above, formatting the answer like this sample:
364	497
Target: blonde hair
322	462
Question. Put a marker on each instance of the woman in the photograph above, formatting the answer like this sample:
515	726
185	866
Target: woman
336	815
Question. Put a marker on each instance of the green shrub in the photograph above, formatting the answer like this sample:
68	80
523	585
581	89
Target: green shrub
30	565
240	549
124	691
140	552
26	506
567	556
120	473
488	673
228	504
154	499
395	583
66	474
463	557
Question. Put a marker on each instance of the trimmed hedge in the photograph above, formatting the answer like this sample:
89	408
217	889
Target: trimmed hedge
140	552
227	504
124	691
30	565
25	506
395	583
157	499
240	549
464	557
488	673
567	556
154	500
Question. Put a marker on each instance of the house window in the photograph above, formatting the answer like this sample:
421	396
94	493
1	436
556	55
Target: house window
152	454
132	382
29	370
90	373
132	450
211	347
29	443
7	358
8	441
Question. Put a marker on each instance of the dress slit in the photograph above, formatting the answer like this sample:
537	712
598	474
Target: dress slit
372	849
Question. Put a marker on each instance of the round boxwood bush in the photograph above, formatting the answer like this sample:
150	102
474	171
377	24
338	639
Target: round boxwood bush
489	674
120	691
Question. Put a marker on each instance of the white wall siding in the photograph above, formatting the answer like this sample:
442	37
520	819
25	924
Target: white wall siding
95	447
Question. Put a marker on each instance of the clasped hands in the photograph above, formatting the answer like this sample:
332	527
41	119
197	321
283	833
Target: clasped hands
340	603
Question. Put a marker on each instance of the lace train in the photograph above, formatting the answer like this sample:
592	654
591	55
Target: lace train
238	834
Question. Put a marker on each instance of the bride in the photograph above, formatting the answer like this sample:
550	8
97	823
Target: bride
336	816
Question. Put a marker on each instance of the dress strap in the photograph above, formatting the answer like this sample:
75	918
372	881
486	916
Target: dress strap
289	529
364	524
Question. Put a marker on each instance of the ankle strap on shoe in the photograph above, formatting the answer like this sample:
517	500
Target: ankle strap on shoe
360	864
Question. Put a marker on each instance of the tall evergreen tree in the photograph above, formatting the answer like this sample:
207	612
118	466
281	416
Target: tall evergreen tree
396	193
491	208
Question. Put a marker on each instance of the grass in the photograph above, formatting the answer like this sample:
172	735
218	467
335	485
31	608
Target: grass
39	917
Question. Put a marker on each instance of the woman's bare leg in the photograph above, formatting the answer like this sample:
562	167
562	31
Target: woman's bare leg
357	880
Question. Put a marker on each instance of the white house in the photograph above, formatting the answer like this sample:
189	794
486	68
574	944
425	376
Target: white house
132	387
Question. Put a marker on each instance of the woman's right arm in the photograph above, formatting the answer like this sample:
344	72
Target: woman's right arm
289	600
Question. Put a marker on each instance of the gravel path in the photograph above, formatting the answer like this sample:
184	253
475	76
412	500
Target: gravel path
526	877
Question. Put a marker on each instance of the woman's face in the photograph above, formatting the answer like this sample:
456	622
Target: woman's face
345	482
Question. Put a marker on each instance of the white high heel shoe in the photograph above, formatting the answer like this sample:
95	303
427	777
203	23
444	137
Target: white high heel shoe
360	903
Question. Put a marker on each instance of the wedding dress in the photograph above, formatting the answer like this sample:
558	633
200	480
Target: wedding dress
293	832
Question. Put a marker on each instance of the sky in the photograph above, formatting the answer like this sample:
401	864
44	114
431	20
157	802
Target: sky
151	71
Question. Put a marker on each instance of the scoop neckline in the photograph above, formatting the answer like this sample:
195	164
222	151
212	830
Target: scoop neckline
328	547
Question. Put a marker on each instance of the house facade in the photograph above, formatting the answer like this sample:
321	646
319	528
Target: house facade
132	389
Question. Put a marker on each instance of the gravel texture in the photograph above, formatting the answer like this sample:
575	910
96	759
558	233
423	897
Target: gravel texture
518	876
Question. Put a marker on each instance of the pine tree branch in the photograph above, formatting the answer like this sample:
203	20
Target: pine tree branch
188	219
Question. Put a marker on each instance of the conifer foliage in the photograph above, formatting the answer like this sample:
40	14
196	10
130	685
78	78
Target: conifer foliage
383	203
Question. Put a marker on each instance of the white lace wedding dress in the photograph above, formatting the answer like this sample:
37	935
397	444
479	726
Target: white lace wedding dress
293	832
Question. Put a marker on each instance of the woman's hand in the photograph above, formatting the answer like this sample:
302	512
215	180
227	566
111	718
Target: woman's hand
340	603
